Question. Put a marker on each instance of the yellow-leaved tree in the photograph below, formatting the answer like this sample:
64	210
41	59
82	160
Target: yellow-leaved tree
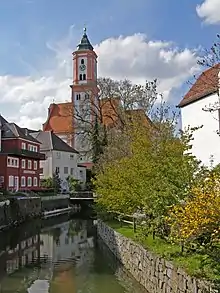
199	215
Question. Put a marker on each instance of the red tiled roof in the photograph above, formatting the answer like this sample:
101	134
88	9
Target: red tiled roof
87	165
60	118
207	83
109	111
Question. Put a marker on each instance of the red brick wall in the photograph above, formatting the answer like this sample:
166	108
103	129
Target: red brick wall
30	172
10	144
12	171
28	143
3	169
16	143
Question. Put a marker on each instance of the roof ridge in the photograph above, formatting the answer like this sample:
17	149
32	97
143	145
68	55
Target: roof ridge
71	149
62	103
206	83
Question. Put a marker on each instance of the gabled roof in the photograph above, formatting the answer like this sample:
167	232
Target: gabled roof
50	141
3	120
60	118
206	84
12	130
109	110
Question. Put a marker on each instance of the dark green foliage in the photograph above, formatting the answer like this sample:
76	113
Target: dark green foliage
99	140
56	182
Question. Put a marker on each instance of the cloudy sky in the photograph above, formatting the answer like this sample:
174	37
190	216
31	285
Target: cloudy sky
134	39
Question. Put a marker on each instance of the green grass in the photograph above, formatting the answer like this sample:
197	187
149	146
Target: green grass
192	263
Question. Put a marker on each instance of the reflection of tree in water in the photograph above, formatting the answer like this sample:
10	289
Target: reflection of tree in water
56	232
75	226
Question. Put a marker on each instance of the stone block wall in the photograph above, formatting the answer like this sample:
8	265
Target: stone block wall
155	273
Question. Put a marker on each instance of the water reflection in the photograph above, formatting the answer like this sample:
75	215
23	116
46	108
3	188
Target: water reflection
58	257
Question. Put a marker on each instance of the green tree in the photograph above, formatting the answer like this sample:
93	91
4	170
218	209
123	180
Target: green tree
72	183
156	171
99	141
47	182
113	101
56	182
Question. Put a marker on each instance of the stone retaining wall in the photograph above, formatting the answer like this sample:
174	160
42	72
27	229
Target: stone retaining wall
154	273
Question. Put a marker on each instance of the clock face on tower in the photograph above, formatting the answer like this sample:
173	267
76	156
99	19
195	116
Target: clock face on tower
82	67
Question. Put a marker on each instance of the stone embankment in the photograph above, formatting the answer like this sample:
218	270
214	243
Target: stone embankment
155	273
17	210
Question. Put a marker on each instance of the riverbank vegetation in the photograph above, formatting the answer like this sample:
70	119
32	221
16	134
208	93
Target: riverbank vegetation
147	168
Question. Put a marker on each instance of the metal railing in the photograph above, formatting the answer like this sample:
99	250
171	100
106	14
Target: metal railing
25	153
55	197
82	194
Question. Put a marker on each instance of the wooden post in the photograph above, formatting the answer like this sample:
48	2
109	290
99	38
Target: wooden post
182	247
120	221
134	224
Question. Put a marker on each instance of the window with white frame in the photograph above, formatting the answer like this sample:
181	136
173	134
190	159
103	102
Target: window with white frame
71	157
58	155
34	148
65	170
29	164
35	181
35	165
23	181
12	162
11	181
29	183
30	147
71	171
23	146
23	164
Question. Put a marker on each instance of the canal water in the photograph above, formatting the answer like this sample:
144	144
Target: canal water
60	255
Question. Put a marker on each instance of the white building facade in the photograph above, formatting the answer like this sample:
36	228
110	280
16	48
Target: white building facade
64	163
200	108
61	159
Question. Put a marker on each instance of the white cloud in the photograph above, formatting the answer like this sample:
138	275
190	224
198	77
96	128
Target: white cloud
25	99
209	10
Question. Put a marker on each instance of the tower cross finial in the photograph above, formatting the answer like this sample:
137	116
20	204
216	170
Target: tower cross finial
84	29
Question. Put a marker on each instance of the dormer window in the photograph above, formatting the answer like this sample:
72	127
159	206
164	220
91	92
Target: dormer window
82	61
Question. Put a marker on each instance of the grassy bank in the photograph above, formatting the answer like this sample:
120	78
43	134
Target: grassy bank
195	264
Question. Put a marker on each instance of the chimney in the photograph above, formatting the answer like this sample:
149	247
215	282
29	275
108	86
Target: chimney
26	131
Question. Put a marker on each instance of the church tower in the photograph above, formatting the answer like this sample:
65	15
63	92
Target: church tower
84	95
